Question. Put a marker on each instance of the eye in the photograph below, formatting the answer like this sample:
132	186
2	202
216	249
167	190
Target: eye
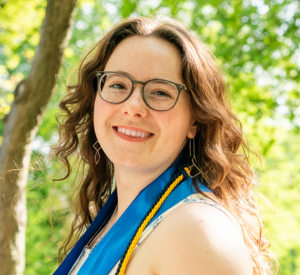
117	86
161	93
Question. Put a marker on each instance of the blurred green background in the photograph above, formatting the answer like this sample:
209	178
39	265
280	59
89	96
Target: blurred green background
256	42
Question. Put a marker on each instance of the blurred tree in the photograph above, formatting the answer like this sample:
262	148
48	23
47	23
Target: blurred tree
31	97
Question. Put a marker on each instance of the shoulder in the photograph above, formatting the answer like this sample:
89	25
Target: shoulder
196	238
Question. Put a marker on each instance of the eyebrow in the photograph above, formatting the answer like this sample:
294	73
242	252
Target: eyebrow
123	72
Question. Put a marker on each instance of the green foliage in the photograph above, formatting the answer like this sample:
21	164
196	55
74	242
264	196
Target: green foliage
48	215
257	44
20	32
281	172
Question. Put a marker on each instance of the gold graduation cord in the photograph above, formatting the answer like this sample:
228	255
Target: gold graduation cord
148	219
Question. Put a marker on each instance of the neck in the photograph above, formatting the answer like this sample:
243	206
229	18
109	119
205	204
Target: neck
131	183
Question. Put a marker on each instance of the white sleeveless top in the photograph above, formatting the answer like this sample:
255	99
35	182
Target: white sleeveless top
190	199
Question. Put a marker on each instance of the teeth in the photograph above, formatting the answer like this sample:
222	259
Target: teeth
133	133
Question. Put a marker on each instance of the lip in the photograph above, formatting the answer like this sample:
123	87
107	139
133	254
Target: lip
129	138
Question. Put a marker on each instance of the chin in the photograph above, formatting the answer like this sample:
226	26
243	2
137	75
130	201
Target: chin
130	161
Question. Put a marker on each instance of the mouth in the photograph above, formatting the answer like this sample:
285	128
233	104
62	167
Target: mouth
132	133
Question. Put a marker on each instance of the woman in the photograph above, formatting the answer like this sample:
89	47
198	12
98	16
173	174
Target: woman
149	113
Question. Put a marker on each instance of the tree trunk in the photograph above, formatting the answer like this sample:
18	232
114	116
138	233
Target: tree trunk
31	98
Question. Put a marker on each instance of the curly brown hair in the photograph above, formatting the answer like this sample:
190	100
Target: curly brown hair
221	151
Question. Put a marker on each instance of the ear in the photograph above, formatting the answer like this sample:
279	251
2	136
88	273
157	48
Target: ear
193	130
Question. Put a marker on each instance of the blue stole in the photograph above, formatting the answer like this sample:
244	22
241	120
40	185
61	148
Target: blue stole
113	245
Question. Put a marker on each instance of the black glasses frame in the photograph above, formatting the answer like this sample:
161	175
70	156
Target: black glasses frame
178	86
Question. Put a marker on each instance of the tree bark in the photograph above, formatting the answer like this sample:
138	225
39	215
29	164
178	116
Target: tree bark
31	98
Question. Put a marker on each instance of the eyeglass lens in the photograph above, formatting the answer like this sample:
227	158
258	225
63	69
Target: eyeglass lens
159	94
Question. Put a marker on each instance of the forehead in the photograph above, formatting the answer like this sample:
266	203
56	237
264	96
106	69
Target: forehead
144	58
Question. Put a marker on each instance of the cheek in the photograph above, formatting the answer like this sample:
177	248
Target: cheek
101	113
97	116
96	108
179	122
175	123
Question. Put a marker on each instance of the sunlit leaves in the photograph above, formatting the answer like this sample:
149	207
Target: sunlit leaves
20	24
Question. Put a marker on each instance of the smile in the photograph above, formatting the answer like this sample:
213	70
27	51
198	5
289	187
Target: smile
132	133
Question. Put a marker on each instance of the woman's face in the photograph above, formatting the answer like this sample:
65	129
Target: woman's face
132	135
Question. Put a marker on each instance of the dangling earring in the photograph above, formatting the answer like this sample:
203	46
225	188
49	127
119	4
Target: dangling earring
97	147
194	170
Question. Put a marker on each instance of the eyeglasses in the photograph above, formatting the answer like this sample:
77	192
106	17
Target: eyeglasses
158	94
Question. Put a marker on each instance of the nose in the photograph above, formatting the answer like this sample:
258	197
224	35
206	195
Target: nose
135	106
